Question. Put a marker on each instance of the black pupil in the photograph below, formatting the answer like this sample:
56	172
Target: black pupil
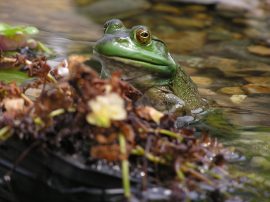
144	34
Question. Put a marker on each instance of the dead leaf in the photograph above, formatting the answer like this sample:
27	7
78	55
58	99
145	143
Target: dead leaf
149	113
13	104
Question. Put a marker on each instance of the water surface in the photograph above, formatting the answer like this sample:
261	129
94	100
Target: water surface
227	53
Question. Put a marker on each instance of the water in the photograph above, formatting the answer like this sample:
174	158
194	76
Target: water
225	52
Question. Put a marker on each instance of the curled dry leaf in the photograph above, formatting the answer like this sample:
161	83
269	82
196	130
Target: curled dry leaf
149	113
13	104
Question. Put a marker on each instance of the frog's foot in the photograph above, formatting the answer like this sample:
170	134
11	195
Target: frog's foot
163	99
183	121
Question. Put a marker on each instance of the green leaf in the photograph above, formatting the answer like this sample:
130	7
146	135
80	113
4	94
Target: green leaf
30	30
8	30
3	26
9	75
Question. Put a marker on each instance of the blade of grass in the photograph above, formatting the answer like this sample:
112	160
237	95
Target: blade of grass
125	166
170	134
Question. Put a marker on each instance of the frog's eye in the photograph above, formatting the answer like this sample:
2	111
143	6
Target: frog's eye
143	36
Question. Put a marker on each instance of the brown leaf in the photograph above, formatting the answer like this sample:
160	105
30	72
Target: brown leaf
128	132
149	113
108	152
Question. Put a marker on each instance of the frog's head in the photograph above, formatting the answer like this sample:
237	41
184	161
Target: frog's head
136	47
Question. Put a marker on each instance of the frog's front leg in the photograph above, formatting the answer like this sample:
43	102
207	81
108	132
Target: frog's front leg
163	99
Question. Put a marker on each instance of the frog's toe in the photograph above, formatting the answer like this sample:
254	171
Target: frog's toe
183	121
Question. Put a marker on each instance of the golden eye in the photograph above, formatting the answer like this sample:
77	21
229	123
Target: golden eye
143	36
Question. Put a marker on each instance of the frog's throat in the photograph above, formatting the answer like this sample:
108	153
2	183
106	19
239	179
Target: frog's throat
151	67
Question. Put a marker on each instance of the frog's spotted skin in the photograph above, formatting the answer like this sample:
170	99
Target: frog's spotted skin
146	63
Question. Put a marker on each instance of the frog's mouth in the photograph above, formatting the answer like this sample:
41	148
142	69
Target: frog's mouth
135	71
152	67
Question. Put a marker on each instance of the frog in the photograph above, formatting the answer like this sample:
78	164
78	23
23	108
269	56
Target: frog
145	62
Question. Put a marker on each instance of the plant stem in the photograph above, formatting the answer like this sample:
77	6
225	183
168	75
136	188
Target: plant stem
125	166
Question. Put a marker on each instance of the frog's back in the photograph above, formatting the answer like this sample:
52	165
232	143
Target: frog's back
183	87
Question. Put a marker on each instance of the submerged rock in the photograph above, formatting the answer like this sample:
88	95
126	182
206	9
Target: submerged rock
101	10
187	22
259	80
231	90
58	17
205	2
257	89
185	41
259	50
202	80
236	6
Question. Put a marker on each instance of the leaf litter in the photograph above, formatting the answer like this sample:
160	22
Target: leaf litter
84	115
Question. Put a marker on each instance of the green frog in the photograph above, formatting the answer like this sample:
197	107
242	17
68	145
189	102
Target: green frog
145	62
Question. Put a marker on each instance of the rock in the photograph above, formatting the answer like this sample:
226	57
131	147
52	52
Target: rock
195	8
202	81
260	162
203	16
206	92
259	50
205	2
235	49
185	41
84	2
237	6
221	34
230	67
187	22
256	89
238	99
263	80
104	9
190	71
58	18
232	6
165	8
231	90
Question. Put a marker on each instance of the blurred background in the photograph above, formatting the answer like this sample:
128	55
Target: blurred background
223	44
